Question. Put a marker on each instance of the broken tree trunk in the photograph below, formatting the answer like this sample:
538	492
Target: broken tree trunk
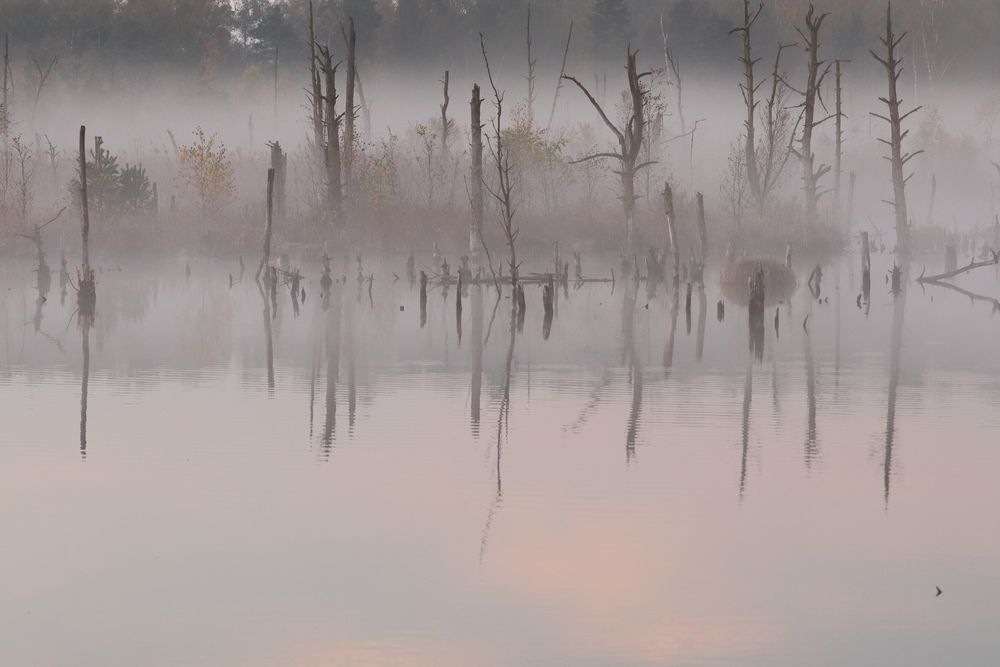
279	163
87	294
265	257
316	99
897	158
335	195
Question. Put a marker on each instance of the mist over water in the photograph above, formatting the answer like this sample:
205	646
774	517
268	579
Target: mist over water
624	377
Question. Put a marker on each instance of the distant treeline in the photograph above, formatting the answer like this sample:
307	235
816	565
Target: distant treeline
950	37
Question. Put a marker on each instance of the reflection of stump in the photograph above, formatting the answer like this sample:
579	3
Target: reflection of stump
423	299
87	295
779	280
547	294
756	293
950	258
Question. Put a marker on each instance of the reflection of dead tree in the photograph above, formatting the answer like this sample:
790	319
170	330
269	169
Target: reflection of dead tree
634	366
745	428
897	158
629	140
896	346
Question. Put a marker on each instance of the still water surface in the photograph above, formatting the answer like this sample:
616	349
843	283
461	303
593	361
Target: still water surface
244	486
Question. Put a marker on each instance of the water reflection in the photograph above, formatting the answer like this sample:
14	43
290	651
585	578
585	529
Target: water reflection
895	351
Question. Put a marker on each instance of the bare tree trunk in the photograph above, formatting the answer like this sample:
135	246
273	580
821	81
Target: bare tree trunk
83	197
749	90
349	116
674	66
265	257
279	164
897	157
476	186
839	155
562	73
335	195
445	123
531	75
668	209
816	73
317	86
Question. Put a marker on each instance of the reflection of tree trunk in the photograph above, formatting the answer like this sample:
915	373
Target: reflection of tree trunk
668	353
477	355
745	432
634	366
702	316
332	336
811	450
268	340
896	343
349	339
83	391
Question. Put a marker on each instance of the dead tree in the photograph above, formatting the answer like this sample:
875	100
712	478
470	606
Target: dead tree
668	209
349	110
816	72
331	122
749	89
672	64
774	149
503	193
699	260
445	123
838	157
87	292
629	140
562	72
476	177
265	257
279	163
316	98
43	76
897	158
4	100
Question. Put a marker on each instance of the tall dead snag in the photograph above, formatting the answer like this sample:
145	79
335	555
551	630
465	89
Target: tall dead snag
445	123
265	257
331	123
816	72
672	64
838	157
4	108
562	71
774	148
504	191
749	89
531	74
87	294
349	110
629	140
476	185
316	98
668	209
897	158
